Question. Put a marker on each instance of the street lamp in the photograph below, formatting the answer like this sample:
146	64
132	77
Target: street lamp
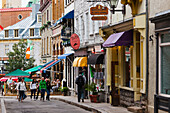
113	5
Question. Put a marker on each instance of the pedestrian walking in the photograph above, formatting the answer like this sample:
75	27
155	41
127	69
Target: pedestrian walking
38	89
80	81
48	89
42	88
17	84
22	89
33	87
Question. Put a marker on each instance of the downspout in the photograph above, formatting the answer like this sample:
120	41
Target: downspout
147	49
147	54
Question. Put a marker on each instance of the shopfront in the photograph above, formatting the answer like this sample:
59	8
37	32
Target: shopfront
125	63
162	34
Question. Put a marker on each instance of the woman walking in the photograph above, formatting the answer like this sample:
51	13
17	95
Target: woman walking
48	90
22	89
33	87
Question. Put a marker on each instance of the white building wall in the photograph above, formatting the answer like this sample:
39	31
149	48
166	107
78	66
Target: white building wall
87	30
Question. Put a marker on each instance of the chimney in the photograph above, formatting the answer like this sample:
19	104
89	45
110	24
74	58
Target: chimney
35	9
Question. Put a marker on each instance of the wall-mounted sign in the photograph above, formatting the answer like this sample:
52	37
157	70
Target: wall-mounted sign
75	41
99	10
99	18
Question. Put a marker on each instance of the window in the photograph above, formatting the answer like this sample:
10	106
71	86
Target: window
6	33
16	33
31	32
39	18
47	15
6	49
164	66
19	17
47	46
42	48
127	66
87	25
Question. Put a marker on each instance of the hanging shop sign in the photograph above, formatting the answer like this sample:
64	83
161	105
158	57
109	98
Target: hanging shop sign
75	41
99	18
99	10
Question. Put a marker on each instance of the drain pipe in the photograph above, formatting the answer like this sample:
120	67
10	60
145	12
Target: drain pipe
147	53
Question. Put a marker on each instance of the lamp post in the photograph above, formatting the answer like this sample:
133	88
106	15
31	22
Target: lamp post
113	5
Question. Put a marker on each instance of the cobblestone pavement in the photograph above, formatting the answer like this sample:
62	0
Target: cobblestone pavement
28	106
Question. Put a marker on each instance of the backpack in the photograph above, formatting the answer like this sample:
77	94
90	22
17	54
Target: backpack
80	81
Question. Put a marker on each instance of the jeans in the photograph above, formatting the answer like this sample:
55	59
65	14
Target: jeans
42	93
33	91
21	95
80	93
38	93
48	95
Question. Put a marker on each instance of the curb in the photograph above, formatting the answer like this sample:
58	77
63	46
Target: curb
88	108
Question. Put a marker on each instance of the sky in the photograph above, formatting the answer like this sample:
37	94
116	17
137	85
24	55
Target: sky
0	4
24	3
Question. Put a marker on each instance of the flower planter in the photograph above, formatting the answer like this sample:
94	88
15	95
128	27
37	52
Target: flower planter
94	98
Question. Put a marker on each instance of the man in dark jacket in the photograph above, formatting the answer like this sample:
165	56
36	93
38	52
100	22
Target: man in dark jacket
81	81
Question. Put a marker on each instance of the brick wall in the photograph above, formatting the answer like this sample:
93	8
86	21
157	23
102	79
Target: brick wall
58	9
11	17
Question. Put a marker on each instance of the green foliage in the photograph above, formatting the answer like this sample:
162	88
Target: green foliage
46	25
41	28
17	58
48	22
64	89
92	88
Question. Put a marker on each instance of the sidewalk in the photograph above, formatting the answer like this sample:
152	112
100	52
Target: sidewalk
94	107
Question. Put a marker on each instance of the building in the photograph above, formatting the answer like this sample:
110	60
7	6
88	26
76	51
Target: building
28	28
159	93
57	45
46	49
11	3
33	2
14	15
126	65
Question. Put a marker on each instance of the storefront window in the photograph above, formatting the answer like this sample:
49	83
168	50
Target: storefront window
126	80
165	64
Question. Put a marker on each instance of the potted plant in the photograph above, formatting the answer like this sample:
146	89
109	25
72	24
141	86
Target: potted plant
49	23
41	28
64	90
46	25
94	97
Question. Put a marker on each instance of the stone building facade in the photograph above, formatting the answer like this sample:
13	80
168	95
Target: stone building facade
158	15
11	3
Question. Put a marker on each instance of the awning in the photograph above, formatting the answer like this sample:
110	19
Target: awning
45	65
80	62
4	79
69	15
120	39
33	69
18	73
52	64
64	56
96	59
75	62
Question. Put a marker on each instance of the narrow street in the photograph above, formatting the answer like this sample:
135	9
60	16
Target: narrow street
28	106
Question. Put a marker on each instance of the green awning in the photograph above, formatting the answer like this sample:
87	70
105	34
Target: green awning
18	73
27	79
33	69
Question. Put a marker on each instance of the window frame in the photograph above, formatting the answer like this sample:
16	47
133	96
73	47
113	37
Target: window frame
159	60
38	17
15	33
31	33
5	33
